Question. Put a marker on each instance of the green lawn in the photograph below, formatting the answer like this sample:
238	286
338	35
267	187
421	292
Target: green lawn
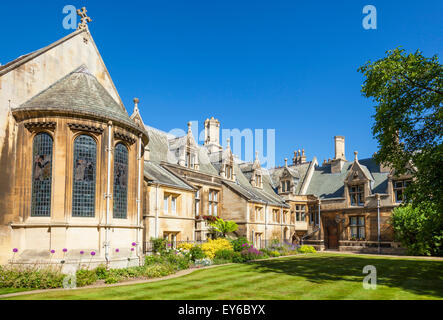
315	276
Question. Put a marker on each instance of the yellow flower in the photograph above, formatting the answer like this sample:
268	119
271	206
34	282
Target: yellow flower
212	246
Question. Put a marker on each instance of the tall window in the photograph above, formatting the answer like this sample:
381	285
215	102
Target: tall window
399	189
258	180
170	204
300	212
285	186
85	161
356	194
259	214
120	181
197	202
313	216
166	204
228	172
275	215
213	202
357	226
173	204
41	176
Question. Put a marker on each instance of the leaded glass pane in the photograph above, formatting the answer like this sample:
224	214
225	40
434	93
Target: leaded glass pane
41	176
85	162
120	181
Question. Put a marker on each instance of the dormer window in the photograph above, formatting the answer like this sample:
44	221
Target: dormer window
190	160
258	180
228	172
399	190
285	186
356	193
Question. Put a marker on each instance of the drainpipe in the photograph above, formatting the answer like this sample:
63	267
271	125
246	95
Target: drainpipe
319	219
108	192
281	224
378	221
156	211
139	154
266	226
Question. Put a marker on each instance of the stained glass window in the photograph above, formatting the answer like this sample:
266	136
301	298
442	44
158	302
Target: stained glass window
85	162
120	181
41	176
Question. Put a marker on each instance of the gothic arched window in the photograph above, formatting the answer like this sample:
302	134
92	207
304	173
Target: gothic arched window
85	163
120	181
41	175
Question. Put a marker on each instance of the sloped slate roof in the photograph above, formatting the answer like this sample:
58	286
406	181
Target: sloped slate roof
160	152
158	174
329	185
79	92
244	187
298	172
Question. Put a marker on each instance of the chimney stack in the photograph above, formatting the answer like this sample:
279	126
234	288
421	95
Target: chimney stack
339	148
339	159
212	135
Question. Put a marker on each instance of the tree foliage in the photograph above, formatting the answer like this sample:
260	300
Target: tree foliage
409	121
224	227
419	229
409	117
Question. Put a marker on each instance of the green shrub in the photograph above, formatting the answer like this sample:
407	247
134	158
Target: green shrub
30	277
237	257
274	253
196	253
306	249
157	270
159	245
239	244
224	255
112	279
154	259
419	229
86	277
179	262
101	272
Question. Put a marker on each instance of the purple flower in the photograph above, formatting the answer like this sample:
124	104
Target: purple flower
92	253
117	250
132	249
169	245
53	251
134	244
15	250
82	252
65	250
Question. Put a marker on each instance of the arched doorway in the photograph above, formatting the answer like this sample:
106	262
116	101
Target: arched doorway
286	234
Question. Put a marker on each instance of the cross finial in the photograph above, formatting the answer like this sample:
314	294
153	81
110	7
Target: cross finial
84	18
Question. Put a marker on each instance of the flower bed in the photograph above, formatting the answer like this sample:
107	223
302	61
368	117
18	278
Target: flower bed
164	262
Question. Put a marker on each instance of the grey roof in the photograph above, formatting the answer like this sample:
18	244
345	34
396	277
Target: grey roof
79	92
159	146
157	174
298	172
328	185
261	195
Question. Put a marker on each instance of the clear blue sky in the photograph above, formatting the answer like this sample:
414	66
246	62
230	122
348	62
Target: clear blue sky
284	65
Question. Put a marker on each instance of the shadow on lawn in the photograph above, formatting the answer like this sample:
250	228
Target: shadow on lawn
419	277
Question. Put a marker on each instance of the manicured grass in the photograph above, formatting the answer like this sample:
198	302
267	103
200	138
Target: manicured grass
12	290
314	276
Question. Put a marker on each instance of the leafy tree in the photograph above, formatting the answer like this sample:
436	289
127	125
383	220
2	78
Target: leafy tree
409	123
224	227
419	229
409	118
